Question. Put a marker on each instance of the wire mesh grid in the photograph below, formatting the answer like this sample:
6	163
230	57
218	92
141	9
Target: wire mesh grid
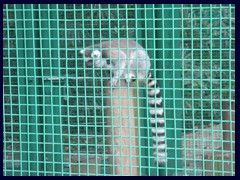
62	118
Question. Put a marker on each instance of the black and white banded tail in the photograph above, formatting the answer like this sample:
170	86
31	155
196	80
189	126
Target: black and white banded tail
156	120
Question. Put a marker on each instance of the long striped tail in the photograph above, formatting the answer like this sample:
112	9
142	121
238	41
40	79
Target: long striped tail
157	120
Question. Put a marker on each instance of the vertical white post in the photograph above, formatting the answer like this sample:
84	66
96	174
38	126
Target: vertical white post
122	130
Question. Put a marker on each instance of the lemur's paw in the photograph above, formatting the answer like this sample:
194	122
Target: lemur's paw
114	82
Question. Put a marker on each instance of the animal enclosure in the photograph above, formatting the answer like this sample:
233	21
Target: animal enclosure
62	118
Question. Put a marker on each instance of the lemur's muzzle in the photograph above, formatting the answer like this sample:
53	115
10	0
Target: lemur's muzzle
89	63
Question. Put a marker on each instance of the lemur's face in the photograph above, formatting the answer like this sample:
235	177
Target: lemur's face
92	58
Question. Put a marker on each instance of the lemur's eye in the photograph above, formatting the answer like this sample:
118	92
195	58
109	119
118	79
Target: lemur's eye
96	54
108	61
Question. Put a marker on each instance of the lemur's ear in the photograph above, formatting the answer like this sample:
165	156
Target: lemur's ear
82	51
96	54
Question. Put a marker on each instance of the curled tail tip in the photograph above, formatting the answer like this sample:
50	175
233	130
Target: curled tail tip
160	155
160	161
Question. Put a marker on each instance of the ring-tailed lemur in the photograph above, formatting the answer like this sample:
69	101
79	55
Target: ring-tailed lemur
128	60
